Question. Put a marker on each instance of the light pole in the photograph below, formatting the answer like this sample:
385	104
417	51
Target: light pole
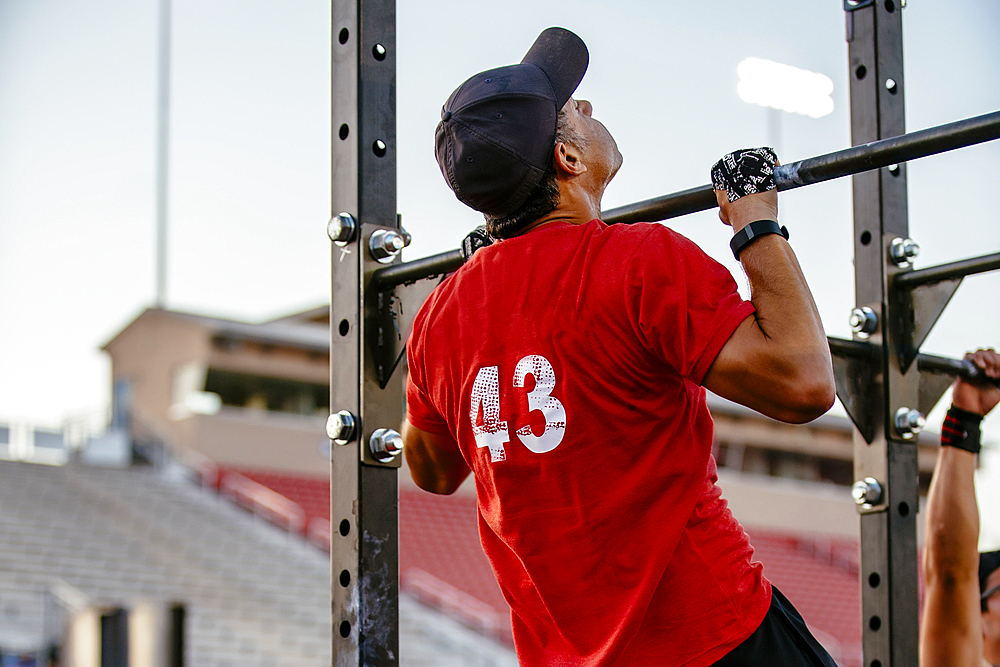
162	151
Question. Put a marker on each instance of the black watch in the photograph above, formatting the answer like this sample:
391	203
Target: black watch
752	232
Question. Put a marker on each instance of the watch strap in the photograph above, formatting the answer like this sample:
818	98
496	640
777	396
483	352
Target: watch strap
754	231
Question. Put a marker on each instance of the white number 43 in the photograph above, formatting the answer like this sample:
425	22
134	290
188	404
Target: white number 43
486	395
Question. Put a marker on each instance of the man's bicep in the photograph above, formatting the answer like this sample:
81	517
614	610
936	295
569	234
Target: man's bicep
736	368
785	379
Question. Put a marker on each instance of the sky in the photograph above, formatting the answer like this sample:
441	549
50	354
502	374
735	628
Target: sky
250	156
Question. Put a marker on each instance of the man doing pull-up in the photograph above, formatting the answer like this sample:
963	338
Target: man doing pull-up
566	364
961	616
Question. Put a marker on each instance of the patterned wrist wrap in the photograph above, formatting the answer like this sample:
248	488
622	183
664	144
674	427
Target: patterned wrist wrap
745	172
477	238
961	429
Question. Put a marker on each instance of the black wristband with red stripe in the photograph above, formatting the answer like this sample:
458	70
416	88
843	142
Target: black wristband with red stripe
961	430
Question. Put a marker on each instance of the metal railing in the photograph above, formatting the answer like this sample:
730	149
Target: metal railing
263	502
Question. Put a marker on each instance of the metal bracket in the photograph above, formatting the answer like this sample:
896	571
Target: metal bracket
855	369
853	364
851	5
395	309
386	341
932	388
381	333
917	311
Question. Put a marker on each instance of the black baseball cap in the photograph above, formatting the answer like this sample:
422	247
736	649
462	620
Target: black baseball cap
494	141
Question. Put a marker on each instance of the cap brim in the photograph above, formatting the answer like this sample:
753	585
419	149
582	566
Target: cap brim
563	57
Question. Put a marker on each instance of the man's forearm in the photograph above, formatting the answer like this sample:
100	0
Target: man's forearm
952	520
950	634
786	312
779	362
952	512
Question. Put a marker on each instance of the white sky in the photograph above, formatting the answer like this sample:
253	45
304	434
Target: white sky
250	144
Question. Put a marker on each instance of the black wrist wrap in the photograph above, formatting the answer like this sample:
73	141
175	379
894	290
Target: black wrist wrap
961	429
477	238
745	172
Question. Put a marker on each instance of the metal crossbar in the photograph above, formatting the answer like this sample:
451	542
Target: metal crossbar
847	162
942	272
963	368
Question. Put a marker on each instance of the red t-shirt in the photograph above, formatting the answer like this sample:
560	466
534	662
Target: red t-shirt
567	365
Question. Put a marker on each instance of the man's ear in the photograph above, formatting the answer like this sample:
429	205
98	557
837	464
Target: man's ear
568	159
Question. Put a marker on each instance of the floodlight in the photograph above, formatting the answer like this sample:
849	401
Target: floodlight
784	87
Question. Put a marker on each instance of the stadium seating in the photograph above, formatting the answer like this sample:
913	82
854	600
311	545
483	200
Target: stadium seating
256	596
442	564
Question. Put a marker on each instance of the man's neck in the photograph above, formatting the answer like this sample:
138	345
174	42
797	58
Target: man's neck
574	217
578	205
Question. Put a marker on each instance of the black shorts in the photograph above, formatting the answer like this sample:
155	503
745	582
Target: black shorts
782	640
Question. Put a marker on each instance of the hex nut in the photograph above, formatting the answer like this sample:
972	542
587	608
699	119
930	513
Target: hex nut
385	444
903	251
342	228
867	491
341	427
864	321
909	422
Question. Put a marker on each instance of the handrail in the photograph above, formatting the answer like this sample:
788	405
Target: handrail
319	533
454	602
206	469
257	497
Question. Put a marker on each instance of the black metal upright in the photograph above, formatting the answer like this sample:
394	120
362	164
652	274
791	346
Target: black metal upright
885	457
364	540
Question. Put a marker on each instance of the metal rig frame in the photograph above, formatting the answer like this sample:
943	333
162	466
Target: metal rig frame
374	298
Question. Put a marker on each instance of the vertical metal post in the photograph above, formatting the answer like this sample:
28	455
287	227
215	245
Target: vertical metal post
888	523
364	502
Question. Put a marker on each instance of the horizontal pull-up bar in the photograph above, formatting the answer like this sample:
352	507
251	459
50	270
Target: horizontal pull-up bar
418	269
788	176
936	274
853	160
963	368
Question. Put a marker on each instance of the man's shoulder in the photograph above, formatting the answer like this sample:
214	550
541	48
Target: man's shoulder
642	231
437	294
650	238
